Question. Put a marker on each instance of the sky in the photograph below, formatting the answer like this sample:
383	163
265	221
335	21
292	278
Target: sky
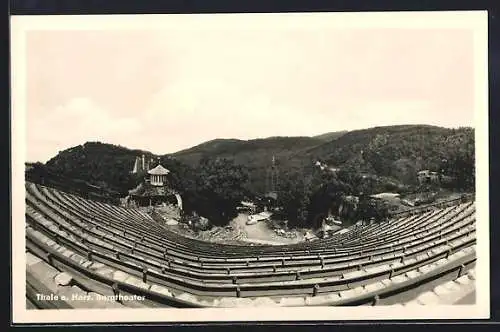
170	89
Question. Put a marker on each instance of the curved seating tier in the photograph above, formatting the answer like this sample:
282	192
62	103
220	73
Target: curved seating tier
85	237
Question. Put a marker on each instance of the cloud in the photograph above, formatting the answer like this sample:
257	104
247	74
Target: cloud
190	111
77	121
173	89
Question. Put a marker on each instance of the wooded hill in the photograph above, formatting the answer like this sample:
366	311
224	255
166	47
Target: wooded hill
393	152
223	171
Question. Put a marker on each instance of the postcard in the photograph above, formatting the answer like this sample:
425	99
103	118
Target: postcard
250	167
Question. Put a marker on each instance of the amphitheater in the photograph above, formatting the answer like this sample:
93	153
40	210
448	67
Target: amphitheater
87	254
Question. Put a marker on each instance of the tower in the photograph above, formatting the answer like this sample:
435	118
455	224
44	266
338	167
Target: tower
135	170
272	178
142	164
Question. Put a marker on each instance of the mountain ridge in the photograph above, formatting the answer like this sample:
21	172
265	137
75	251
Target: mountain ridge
387	151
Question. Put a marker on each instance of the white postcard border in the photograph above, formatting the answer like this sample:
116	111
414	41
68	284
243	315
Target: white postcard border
475	20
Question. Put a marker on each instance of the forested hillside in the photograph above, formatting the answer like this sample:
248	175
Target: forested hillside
255	155
328	137
393	154
252	152
104	165
214	176
400	152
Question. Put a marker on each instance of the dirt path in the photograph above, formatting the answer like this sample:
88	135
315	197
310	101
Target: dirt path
239	233
260	232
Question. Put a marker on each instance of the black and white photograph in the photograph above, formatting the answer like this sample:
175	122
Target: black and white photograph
242	167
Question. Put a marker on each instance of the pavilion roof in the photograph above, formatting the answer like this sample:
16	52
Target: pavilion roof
159	170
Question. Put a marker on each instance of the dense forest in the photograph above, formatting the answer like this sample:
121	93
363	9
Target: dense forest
401	151
104	165
389	157
255	155
215	176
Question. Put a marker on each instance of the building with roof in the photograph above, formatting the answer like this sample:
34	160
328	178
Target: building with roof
427	176
155	189
158	175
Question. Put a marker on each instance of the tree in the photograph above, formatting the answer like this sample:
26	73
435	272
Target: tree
308	195
219	188
369	208
458	159
293	199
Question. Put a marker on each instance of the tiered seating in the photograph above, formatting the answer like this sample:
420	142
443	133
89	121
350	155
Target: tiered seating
114	250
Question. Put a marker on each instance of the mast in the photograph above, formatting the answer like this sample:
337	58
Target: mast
272	179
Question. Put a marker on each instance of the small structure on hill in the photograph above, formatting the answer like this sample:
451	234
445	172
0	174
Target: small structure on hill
322	166
155	189
427	176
